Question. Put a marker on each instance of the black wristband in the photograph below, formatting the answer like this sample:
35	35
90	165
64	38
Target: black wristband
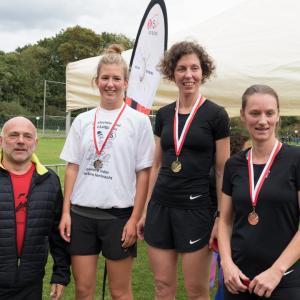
217	214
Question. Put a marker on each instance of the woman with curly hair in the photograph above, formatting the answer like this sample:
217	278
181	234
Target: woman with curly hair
190	133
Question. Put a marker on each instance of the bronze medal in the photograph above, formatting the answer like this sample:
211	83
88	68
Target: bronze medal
98	164
253	218
176	166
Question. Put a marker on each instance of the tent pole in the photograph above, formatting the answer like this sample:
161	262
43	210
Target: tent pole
68	122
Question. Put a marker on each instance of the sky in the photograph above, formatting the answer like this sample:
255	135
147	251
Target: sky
27	21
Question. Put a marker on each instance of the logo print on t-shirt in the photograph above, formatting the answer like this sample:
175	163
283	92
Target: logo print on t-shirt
22	195
22	205
195	196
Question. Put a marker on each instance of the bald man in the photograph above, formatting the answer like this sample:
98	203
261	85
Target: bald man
30	210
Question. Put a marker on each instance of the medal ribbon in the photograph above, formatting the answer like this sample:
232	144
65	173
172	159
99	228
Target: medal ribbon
99	151
178	143
254	190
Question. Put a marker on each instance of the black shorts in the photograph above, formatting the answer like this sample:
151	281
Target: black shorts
31	292
284	293
91	236
185	230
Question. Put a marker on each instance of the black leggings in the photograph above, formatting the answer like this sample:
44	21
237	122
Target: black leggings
290	293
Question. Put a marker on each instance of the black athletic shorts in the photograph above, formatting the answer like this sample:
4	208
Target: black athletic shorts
31	292
185	230
91	236
284	293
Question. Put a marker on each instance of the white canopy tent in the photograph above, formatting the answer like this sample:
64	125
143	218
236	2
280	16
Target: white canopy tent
257	41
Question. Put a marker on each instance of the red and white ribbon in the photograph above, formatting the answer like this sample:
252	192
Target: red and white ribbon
255	189
99	151
178	143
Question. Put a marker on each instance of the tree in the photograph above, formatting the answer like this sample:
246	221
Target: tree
8	109
23	72
78	43
10	75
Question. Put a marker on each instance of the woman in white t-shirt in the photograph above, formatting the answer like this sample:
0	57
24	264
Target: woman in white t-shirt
109	152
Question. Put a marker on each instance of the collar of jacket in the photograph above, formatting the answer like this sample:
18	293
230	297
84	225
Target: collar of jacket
40	169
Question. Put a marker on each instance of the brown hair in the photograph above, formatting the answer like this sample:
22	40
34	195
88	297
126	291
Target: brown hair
237	142
258	89
169	61
112	55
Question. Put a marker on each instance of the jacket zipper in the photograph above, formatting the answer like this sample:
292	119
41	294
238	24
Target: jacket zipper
15	222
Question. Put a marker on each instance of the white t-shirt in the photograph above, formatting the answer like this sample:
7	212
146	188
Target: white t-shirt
128	150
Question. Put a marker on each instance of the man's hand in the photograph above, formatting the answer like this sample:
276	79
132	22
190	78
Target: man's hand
57	291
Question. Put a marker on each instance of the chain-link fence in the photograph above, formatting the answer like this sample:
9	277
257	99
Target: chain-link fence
54	126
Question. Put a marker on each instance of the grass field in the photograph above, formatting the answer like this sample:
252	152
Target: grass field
49	150
142	281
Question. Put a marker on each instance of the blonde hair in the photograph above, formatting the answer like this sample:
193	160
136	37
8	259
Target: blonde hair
112	55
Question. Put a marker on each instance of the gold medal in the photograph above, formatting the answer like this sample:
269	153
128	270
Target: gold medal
176	166
253	218
98	164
